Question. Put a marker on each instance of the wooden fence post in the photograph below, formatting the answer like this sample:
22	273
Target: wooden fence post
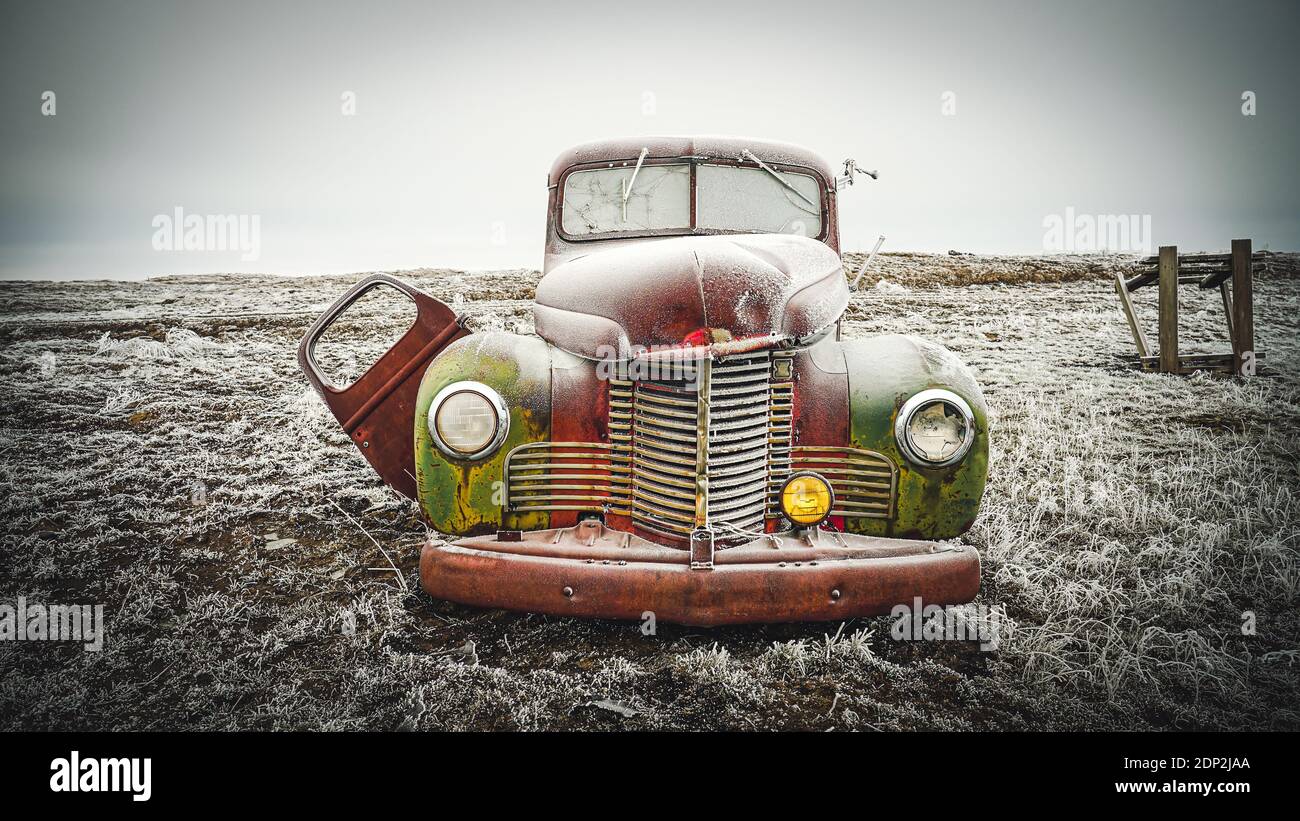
1243	310
1169	308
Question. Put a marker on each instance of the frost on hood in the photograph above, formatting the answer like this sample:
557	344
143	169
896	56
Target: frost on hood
749	285
946	369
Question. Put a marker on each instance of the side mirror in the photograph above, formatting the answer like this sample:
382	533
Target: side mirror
850	169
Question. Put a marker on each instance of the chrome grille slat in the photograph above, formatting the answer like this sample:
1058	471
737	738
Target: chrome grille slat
552	497
720	500
647	402
655	513
663	421
649	399
658	483
667	498
733	508
745	435
727	477
746	412
725	394
640	452
671	412
662	439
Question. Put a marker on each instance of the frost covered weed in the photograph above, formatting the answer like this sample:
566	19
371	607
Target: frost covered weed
160	447
712	665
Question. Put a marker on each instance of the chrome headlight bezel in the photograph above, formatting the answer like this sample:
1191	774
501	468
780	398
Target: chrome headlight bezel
902	426
497	404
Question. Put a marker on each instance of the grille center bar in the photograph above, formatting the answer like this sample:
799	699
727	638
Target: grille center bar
702	444
702	535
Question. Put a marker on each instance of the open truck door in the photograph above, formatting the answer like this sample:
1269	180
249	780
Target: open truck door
378	409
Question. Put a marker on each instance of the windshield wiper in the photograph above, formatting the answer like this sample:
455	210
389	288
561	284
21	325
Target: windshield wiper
747	154
627	187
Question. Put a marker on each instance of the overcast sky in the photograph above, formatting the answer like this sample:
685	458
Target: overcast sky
236	108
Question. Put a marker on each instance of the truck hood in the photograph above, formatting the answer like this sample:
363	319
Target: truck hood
747	288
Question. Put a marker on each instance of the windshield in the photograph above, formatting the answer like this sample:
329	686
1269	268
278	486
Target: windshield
732	198
727	199
600	202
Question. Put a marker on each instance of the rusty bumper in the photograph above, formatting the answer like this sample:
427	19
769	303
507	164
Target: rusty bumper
592	571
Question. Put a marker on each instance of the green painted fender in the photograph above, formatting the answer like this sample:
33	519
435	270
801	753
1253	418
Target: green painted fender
884	371
464	497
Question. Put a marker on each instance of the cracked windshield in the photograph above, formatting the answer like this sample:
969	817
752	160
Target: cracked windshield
600	201
752	199
657	198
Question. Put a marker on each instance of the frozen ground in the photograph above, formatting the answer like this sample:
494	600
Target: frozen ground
163	456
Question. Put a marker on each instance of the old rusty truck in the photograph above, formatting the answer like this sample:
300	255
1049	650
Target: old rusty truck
688	433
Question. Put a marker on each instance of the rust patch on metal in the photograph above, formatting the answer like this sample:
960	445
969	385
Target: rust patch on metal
612	575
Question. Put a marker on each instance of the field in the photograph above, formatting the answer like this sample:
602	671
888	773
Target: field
164	457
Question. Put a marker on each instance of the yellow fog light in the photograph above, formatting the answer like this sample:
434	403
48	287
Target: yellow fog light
806	499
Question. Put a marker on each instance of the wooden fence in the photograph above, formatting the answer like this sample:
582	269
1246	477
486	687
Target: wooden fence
1169	270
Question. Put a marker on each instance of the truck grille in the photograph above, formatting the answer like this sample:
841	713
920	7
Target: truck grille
677	486
653	470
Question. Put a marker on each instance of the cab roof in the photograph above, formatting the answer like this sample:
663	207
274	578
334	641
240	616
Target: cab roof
629	148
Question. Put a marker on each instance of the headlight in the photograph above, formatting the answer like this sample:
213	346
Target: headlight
806	499
468	420
935	428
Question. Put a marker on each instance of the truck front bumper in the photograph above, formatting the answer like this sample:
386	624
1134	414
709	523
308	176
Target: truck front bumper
590	570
